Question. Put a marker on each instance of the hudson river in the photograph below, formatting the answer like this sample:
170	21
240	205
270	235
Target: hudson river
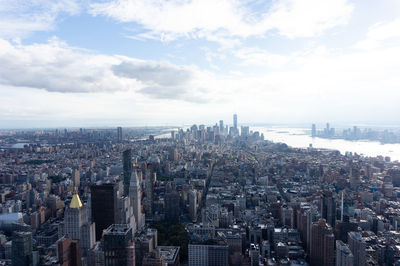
300	138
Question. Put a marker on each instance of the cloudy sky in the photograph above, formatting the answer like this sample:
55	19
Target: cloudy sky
153	62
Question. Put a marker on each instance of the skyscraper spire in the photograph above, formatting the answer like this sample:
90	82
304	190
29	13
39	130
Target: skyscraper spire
76	201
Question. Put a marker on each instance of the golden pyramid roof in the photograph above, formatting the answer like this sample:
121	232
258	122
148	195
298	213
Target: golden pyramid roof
76	201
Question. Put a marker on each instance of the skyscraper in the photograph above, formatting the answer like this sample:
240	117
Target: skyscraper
104	206
119	134
221	127
313	130
77	225
193	205
119	249
322	244
328	208
357	246
127	167
135	195
235	122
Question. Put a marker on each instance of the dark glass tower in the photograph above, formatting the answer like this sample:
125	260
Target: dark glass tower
127	165
104	206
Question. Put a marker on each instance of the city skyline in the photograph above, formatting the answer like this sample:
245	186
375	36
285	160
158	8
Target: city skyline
100	63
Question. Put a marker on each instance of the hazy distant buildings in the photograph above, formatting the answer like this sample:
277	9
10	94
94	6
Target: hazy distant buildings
313	130
119	134
221	126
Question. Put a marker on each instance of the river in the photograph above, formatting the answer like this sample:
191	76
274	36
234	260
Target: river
300	138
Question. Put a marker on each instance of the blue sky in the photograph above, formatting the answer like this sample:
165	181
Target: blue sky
145	62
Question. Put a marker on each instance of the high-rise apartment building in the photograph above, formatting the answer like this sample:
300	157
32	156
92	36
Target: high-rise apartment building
69	252
322	251
344	257
104	206
357	246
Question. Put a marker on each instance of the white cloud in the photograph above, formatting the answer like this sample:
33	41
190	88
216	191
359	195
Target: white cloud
57	67
218	20
379	33
22	17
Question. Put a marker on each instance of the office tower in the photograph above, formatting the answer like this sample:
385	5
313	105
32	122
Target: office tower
344	257
172	208
76	177
313	130
69	252
119	248
135	195
357	246
221	127
193	205
104	206
127	167
21	249
125	213
208	255
119	134
235	122
77	225
322	244
328	208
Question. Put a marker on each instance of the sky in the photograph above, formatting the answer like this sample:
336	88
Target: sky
87	63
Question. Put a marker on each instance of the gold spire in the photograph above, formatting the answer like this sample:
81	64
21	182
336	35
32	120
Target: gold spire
76	201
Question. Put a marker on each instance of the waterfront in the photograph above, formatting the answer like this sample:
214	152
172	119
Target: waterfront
300	138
